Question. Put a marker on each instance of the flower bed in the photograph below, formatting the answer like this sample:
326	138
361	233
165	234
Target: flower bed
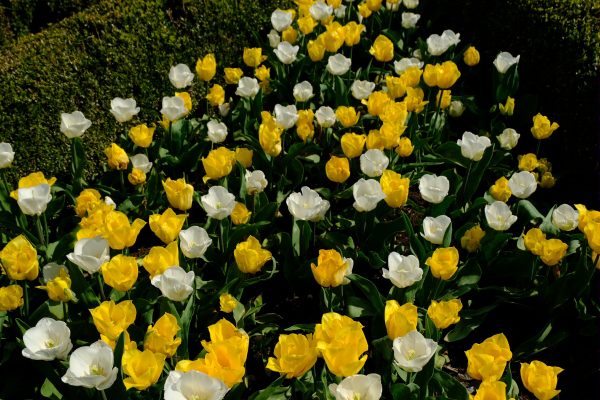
333	222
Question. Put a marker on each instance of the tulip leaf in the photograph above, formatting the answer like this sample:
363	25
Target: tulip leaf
78	163
370	291
117	390
186	321
450	386
526	207
415	244
273	392
475	176
49	391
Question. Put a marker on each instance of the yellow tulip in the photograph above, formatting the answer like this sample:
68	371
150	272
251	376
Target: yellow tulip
59	287
119	232
216	95
487	360
167	225
206	67
337	169
500	190
244	156
33	179
142	367
250	257
262	73
507	108
542	128
240	214
491	390
179	193
117	157
443	262
352	32
414	99
347	116
187	100
444	313
331	268
306	24
218	163
553	251
396	87
227	302
471	56
400	319
253	57
86	201
161	337
443	99
316	49
395	188
294	355
534	241
159	259
411	76
382	49
19	260
141	135
289	35
305	127
112	319
472	238
269	135
11	297
405	147
233	75
334	37
120	272
441	75
136	177
540	379
353	144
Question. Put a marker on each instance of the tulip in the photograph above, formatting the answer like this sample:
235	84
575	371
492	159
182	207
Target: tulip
160	337
250	257
255	182
159	259
307	205
141	135
565	217
433	188
353	144
123	109
487	360
113	319
498	216
218	163
508	138
395	188
286	53
325	116
542	128
218	203
338	64
504	61
364	387
227	303
11	297
413	351
522	184
34	200
403	271
553	251
405	147
367	193
143	367
443	262
274	38
409	20
404	64
167	225
472	238
534	240
411	4
181	76
444	313
332	269
74	124
540	379
373	162
294	355
7	155
179	193
399	320
119	232
362	89
136	177
473	146
247	87
217	131
57	283
120	272
19	260
47	340
439	44
471	56
337	169
216	95
491	390
434	229
240	214
286	116
92	367
141	162
193	385
303	91
174	283
206	67
281	20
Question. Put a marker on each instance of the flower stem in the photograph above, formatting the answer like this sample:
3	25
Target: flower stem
40	230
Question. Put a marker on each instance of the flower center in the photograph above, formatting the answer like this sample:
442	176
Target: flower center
411	354
96	369
49	344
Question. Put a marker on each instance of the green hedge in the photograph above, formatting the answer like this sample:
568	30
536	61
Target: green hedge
559	44
113	49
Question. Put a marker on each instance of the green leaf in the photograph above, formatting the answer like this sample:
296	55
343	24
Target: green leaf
370	291
186	321
451	387
117	390
415	244
475	178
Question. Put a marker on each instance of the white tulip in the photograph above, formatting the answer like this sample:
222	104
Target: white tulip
522	184
504	61
255	182
247	87
217	131
409	20
47	340
218	203
373	162
123	109
413	351
286	53
325	116
34	200
565	217
393	6
193	385
473	146
92	367
405	63
194	241
281	20
286	116
141	162
363	387
456	109
7	155
410	4
433	188
362	89
173	108
403	270
90	253
224	109
508	138
320	11
434	229
181	76
498	216
307	205
74	124
367	193
303	91
274	38
110	202
340	12
338	64
174	283
439	44
417	54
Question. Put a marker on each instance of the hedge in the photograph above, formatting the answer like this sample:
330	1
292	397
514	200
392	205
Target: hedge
112	49
559	44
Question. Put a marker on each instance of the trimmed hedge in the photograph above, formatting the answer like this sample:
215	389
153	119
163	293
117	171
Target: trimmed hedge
559	44
113	49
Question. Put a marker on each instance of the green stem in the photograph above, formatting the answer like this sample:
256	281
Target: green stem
40	230
25	298
103	395
101	286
